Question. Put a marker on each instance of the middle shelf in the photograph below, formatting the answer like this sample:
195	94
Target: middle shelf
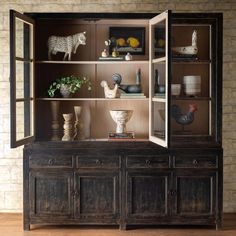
91	99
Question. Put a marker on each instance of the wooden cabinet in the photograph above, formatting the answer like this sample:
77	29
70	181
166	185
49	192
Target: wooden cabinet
171	172
97	197
195	193
50	194
142	184
147	195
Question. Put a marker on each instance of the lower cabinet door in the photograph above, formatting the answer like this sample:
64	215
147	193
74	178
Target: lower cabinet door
97	197
195	194
147	195
50	194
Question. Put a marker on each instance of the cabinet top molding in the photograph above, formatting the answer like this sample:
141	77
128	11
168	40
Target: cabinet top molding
92	16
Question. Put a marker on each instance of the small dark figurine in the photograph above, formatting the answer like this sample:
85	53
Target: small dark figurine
183	119
128	88
158	87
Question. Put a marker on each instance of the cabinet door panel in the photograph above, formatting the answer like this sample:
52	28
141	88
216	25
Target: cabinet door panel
50	194
96	195
147	195
21	78
159	78
195	194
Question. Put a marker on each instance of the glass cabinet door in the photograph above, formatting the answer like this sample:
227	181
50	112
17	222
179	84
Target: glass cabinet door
159	78
21	78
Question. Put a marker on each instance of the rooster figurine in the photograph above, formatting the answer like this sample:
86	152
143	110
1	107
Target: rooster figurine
109	93
183	119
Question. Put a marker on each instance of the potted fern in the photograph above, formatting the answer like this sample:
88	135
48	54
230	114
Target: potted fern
68	85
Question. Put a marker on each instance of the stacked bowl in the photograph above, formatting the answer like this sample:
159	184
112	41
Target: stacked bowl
192	85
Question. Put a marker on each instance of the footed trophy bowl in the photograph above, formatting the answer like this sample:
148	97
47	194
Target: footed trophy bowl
121	117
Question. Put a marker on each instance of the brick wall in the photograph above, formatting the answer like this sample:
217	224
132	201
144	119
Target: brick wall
11	159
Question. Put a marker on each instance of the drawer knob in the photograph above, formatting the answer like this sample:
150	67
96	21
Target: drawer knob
195	162
148	162
50	162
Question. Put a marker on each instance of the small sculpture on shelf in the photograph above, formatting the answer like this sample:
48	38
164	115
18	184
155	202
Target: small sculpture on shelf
158	87
188	51
111	44
104	53
68	127
128	57
109	93
128	88
67	44
183	119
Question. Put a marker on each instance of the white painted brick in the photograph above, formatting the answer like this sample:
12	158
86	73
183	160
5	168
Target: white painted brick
13	200
2	205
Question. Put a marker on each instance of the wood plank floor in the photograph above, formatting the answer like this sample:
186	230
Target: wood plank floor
11	225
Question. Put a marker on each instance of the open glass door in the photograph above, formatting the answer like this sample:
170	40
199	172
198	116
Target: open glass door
159	78
21	78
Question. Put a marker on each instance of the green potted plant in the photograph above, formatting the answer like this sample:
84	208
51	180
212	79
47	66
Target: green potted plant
68	85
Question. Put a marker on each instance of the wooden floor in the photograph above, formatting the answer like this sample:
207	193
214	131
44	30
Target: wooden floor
11	225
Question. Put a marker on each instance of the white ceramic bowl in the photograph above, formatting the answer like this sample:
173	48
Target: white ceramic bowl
121	117
175	89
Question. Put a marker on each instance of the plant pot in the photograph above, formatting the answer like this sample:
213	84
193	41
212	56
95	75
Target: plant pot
65	91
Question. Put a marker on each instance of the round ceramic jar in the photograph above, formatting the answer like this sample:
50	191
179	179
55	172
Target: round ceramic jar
192	85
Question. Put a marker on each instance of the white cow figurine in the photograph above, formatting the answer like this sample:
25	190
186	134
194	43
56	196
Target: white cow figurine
66	44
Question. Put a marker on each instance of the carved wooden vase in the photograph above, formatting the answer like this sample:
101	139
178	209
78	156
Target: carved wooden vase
68	127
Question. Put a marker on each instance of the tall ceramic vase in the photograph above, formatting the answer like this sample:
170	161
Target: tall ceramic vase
77	128
55	105
68	127
85	122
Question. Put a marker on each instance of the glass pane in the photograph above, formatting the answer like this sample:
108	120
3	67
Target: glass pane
159	120
190	117
23	79
160	39
23	32
159	80
24	119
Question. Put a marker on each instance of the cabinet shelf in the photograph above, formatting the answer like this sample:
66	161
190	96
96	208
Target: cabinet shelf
192	98
91	99
93	62
197	62
158	99
159	60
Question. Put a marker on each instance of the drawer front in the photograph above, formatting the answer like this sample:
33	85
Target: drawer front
195	161
147	161
98	162
50	161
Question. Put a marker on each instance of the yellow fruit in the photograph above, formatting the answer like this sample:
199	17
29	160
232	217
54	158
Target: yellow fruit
121	42
161	43
133	42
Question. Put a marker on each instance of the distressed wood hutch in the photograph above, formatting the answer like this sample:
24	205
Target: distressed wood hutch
165	176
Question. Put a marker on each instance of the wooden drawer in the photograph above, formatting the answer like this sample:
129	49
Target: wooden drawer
50	161
97	162
147	161
195	161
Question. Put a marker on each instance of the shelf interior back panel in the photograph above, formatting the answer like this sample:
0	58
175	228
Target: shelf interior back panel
95	118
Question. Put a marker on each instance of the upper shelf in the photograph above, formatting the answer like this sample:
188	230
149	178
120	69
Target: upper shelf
159	60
